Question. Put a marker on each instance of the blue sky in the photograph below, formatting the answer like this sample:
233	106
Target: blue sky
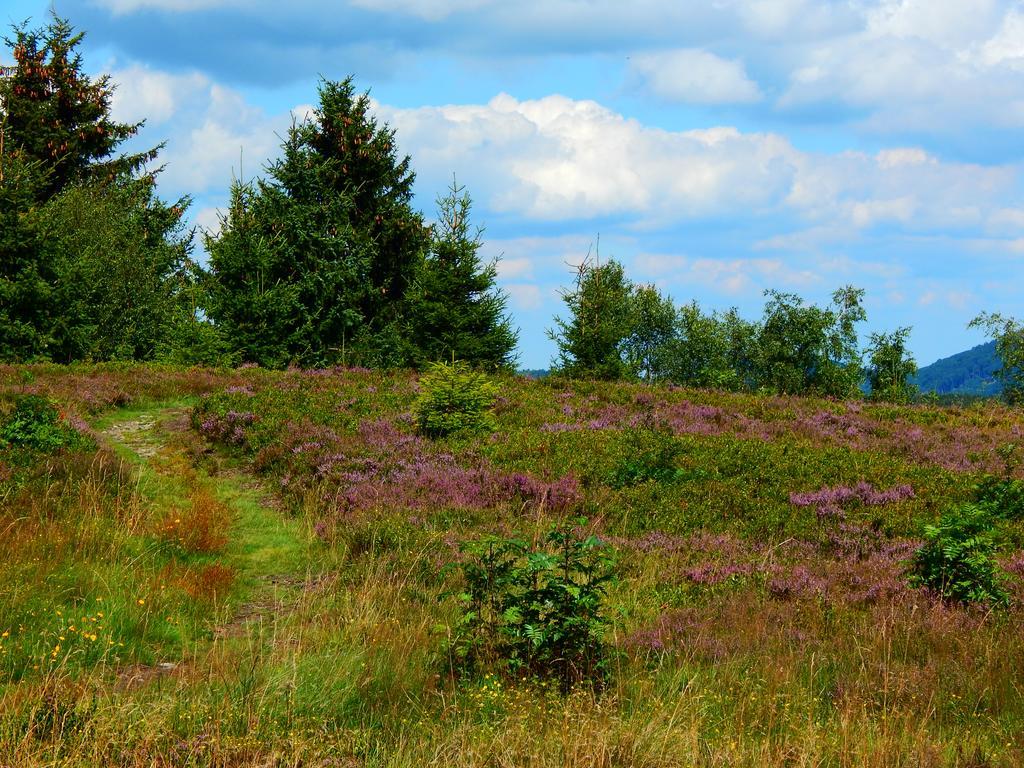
716	147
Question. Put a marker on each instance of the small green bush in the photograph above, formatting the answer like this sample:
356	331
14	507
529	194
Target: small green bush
957	560
1002	497
535	611
35	423
454	398
649	453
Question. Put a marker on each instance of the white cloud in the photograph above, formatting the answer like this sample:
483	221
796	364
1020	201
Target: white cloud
900	156
869	212
430	10
150	95
724	276
931	66
556	158
208	219
510	269
1006	46
695	76
213	133
122	7
524	296
1006	220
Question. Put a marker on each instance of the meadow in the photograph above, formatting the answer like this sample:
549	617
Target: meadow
254	568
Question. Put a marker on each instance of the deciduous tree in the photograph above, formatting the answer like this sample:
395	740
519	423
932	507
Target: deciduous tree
891	367
1008	333
590	341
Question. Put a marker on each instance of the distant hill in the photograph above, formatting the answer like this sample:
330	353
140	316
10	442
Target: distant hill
965	373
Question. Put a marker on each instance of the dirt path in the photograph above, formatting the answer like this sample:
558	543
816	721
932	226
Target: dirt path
268	552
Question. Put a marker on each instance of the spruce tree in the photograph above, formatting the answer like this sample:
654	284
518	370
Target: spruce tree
70	208
54	114
312	264
455	307
26	280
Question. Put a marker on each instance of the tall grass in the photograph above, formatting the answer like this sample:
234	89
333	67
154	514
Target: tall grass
763	615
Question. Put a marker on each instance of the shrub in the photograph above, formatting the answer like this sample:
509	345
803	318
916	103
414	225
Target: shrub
454	398
1002	497
957	560
535	611
35	423
650	452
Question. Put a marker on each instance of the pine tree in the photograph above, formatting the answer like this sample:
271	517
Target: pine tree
312	265
455	308
54	114
71	208
26	280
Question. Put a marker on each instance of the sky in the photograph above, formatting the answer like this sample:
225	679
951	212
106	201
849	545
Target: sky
717	148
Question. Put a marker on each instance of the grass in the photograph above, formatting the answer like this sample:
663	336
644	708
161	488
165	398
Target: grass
269	576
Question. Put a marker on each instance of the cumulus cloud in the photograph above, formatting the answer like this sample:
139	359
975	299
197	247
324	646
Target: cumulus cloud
213	134
146	94
939	68
935	67
558	159
695	76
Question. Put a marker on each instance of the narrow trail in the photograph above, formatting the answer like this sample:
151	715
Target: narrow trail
268	552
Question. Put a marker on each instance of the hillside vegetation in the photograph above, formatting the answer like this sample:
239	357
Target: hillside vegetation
253	568
970	372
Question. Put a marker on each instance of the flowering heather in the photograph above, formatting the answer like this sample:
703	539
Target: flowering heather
752	633
229	428
829	502
962	440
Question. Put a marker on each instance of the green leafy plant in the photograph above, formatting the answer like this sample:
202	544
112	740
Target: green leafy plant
650	452
1002	497
538	611
35	423
590	342
454	398
957	560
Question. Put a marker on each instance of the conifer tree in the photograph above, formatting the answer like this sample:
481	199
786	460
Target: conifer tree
54	114
26	281
455	308
70	208
313	263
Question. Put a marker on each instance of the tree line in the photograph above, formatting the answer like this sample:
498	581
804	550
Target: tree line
616	329
323	260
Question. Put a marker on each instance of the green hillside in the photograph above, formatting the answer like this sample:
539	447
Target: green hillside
965	373
220	568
